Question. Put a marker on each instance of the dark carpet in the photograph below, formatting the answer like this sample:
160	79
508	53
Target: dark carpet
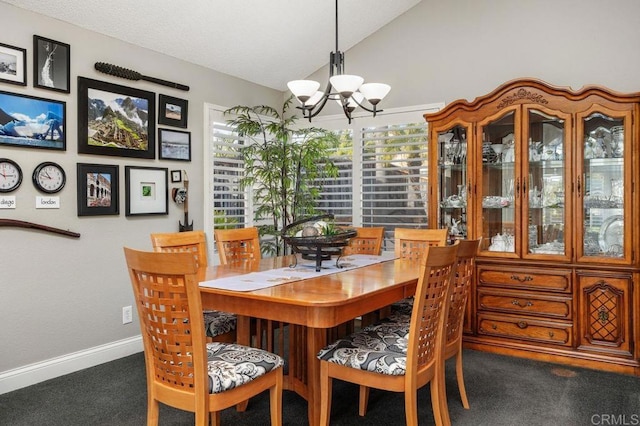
502	391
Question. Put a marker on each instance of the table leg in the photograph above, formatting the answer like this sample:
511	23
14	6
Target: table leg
243	337
316	340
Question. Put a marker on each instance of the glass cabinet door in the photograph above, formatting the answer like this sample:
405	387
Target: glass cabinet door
453	180
546	196
603	188
498	185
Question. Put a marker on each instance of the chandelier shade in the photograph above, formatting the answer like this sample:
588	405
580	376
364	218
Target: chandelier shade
348	90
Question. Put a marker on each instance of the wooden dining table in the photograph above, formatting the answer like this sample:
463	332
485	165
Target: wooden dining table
312	306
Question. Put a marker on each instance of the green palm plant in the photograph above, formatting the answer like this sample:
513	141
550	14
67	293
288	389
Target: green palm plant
283	167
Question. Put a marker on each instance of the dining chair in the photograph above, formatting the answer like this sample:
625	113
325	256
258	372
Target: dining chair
237	245
220	326
367	241
183	370
411	244
377	357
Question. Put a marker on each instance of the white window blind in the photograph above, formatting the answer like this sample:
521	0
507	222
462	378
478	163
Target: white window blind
336	196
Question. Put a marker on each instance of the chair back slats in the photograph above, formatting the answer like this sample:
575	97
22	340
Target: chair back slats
237	245
170	312
460	288
191	241
366	241
430	304
411	243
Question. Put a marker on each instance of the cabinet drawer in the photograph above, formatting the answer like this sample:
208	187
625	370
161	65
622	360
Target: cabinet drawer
539	279
525	303
534	330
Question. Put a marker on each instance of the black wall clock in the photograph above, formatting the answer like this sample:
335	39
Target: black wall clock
49	177
10	175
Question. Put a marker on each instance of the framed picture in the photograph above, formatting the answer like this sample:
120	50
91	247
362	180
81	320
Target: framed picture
51	64
174	145
13	65
115	120
146	190
97	189
32	122
172	111
176	176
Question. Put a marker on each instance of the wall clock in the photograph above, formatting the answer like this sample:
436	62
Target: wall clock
49	177
10	175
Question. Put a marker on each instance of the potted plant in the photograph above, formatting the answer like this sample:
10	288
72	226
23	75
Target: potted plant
283	165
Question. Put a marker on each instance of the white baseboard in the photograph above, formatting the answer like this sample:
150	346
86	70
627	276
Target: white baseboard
55	367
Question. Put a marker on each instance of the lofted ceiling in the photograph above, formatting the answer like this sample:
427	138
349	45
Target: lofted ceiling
268	42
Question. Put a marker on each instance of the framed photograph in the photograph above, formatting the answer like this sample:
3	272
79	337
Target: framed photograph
31	122
51	64
174	145
147	190
97	189
172	111
115	120
13	65
176	176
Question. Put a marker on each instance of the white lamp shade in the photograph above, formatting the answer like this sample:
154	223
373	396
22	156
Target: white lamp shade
375	92
303	89
346	84
350	104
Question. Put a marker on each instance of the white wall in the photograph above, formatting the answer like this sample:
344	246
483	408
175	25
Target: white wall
60	295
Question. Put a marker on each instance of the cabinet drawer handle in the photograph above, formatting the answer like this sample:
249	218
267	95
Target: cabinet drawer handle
522	324
517	303
526	278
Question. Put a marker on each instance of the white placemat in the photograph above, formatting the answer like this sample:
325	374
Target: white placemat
303	270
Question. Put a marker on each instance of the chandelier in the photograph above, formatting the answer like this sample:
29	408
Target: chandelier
346	89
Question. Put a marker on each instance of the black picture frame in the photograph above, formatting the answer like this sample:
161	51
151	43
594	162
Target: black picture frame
51	64
98	189
176	176
95	129
32	122
147	191
174	145
13	65
173	111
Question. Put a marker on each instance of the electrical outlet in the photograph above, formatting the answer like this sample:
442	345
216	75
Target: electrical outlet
127	314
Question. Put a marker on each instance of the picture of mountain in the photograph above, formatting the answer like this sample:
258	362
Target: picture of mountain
117	121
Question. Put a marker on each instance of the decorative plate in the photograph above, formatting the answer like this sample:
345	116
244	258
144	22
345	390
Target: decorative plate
612	235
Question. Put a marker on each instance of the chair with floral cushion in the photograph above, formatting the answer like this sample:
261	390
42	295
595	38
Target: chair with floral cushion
183	370
381	357
220	325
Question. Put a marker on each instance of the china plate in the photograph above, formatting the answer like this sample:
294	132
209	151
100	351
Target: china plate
611	233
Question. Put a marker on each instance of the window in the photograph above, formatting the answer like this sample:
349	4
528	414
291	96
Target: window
382	164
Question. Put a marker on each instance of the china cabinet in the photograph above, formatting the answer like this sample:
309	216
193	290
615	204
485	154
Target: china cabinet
546	176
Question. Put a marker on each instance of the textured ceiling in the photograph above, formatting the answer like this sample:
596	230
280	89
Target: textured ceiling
268	42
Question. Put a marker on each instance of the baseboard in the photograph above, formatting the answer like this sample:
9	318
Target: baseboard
55	367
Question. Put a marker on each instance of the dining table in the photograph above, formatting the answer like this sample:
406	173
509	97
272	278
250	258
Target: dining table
310	306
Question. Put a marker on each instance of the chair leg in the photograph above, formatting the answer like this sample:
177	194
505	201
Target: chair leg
460	377
275	400
214	418
411	407
326	385
153	411
364	400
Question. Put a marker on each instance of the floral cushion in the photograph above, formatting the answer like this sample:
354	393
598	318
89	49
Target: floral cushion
380	347
404	306
218	322
232	365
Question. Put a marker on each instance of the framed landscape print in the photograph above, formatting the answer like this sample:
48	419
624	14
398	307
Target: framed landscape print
51	64
97	189
13	65
172	111
147	190
115	120
31	122
174	145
